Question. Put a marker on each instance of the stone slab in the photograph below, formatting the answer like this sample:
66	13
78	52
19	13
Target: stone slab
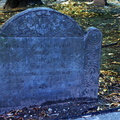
46	68
47	56
99	3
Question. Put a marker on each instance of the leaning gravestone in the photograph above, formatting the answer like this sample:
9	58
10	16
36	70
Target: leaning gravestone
47	56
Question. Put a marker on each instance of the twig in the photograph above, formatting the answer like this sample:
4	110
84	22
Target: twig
108	99
109	45
115	87
11	11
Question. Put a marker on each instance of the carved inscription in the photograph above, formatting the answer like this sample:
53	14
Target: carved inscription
42	66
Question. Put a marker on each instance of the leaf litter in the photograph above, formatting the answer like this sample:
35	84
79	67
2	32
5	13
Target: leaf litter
107	20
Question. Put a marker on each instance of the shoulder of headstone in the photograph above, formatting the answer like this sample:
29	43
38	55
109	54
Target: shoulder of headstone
92	30
89	29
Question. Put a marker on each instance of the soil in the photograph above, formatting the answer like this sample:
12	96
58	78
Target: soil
52	110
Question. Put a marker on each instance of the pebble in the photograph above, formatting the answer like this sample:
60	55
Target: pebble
25	116
50	110
9	114
64	110
56	114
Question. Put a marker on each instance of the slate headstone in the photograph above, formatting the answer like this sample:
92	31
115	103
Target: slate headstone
99	3
46	56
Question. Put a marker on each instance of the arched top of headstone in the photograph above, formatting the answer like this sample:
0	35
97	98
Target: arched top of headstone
41	22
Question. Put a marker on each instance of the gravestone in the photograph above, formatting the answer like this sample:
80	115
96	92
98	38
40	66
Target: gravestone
46	56
99	3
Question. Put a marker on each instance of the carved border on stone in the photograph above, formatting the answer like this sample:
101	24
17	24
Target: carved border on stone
93	41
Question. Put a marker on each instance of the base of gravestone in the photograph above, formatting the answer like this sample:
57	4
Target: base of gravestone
53	110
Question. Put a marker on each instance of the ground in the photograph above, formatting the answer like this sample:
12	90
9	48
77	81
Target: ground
107	19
